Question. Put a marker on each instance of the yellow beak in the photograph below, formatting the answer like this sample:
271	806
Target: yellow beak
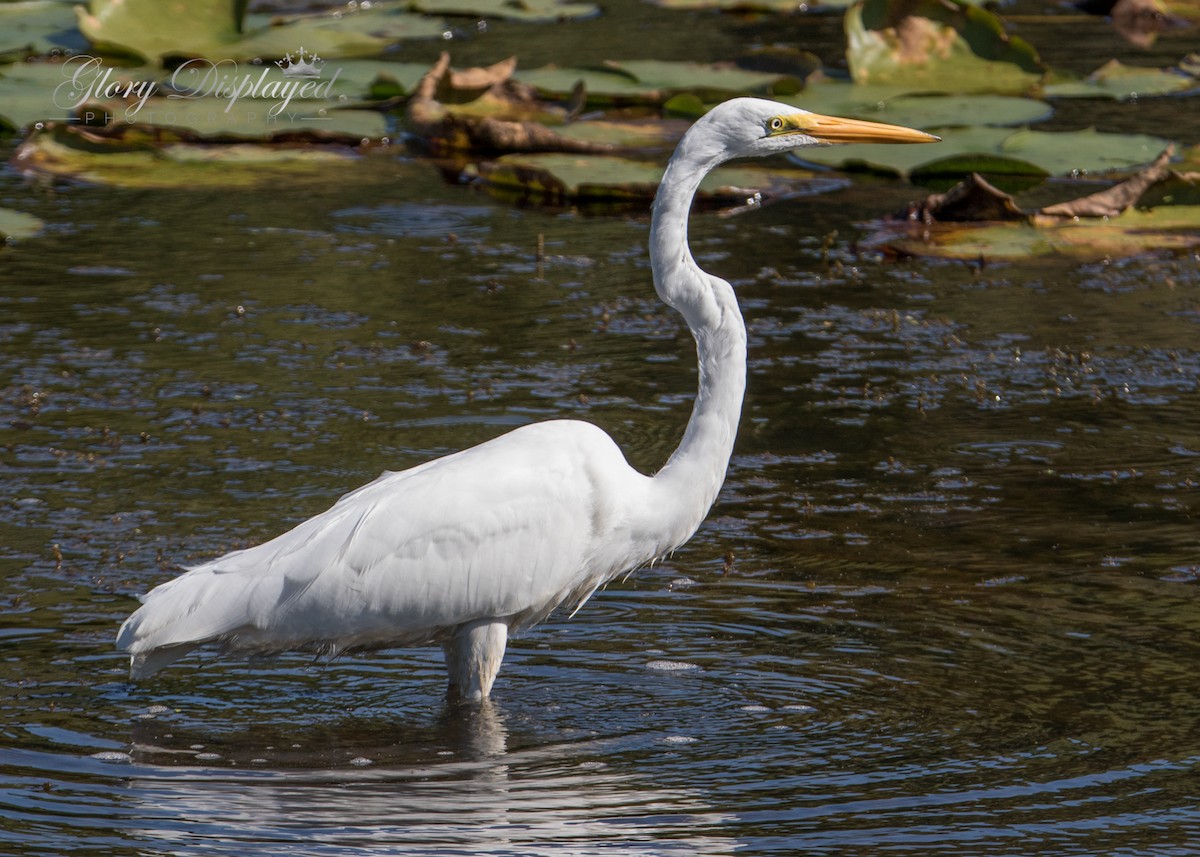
834	129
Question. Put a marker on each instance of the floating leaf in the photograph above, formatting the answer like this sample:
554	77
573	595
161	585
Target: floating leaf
214	29
371	80
653	81
74	153
208	119
38	27
613	182
30	92
997	151
938	45
17	224
898	105
155	29
1121	82
1081	153
648	133
777	59
274	106
1098	224
712	81
1169	228
525	11
966	150
779	6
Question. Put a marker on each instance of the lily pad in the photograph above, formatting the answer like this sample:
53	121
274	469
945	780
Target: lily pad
73	153
778	6
1121	82
649	133
30	92
215	29
525	11
17	224
613	182
898	105
997	151
208	119
1168	228
273	106
654	81
38	27
940	45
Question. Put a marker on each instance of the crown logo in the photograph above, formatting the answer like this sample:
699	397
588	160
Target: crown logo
310	67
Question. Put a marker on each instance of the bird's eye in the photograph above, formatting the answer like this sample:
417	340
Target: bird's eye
775	124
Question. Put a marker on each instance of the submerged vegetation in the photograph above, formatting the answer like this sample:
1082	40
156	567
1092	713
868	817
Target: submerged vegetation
133	94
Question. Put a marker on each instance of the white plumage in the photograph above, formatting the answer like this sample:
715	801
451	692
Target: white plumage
463	550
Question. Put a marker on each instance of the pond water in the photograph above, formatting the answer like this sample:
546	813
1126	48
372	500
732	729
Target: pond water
946	602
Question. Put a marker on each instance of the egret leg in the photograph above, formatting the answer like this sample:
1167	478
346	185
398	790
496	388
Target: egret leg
473	657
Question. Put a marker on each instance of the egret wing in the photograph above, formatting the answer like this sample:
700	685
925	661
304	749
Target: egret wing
508	529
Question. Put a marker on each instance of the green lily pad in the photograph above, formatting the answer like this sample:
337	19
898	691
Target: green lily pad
654	81
898	105
361	33
274	107
368	80
30	92
938	45
151	30
208	119
777	6
215	30
71	153
996	151
650	133
525	11
1082	152
611	182
38	27
1121	82
17	224
1170	228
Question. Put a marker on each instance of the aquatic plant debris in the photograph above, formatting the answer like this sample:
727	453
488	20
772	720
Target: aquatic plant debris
443	129
975	220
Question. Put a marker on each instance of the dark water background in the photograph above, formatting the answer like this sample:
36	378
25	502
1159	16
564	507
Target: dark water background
946	604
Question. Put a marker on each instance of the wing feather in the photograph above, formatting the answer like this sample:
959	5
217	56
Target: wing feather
508	529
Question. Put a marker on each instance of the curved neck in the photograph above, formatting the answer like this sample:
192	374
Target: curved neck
693	475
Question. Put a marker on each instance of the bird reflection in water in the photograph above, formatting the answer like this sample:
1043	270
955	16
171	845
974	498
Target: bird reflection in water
452	785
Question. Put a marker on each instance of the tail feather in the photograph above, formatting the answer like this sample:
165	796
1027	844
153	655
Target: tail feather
146	664
178	616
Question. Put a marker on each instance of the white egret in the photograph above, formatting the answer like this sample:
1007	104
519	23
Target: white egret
464	550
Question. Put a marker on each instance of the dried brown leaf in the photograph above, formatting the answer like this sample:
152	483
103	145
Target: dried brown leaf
1112	201
484	78
443	131
972	199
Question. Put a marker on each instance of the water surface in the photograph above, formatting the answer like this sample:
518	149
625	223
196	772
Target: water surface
946	602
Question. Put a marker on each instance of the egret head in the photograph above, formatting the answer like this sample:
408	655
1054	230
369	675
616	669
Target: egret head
745	127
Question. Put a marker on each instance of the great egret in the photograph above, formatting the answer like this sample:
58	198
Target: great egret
463	550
